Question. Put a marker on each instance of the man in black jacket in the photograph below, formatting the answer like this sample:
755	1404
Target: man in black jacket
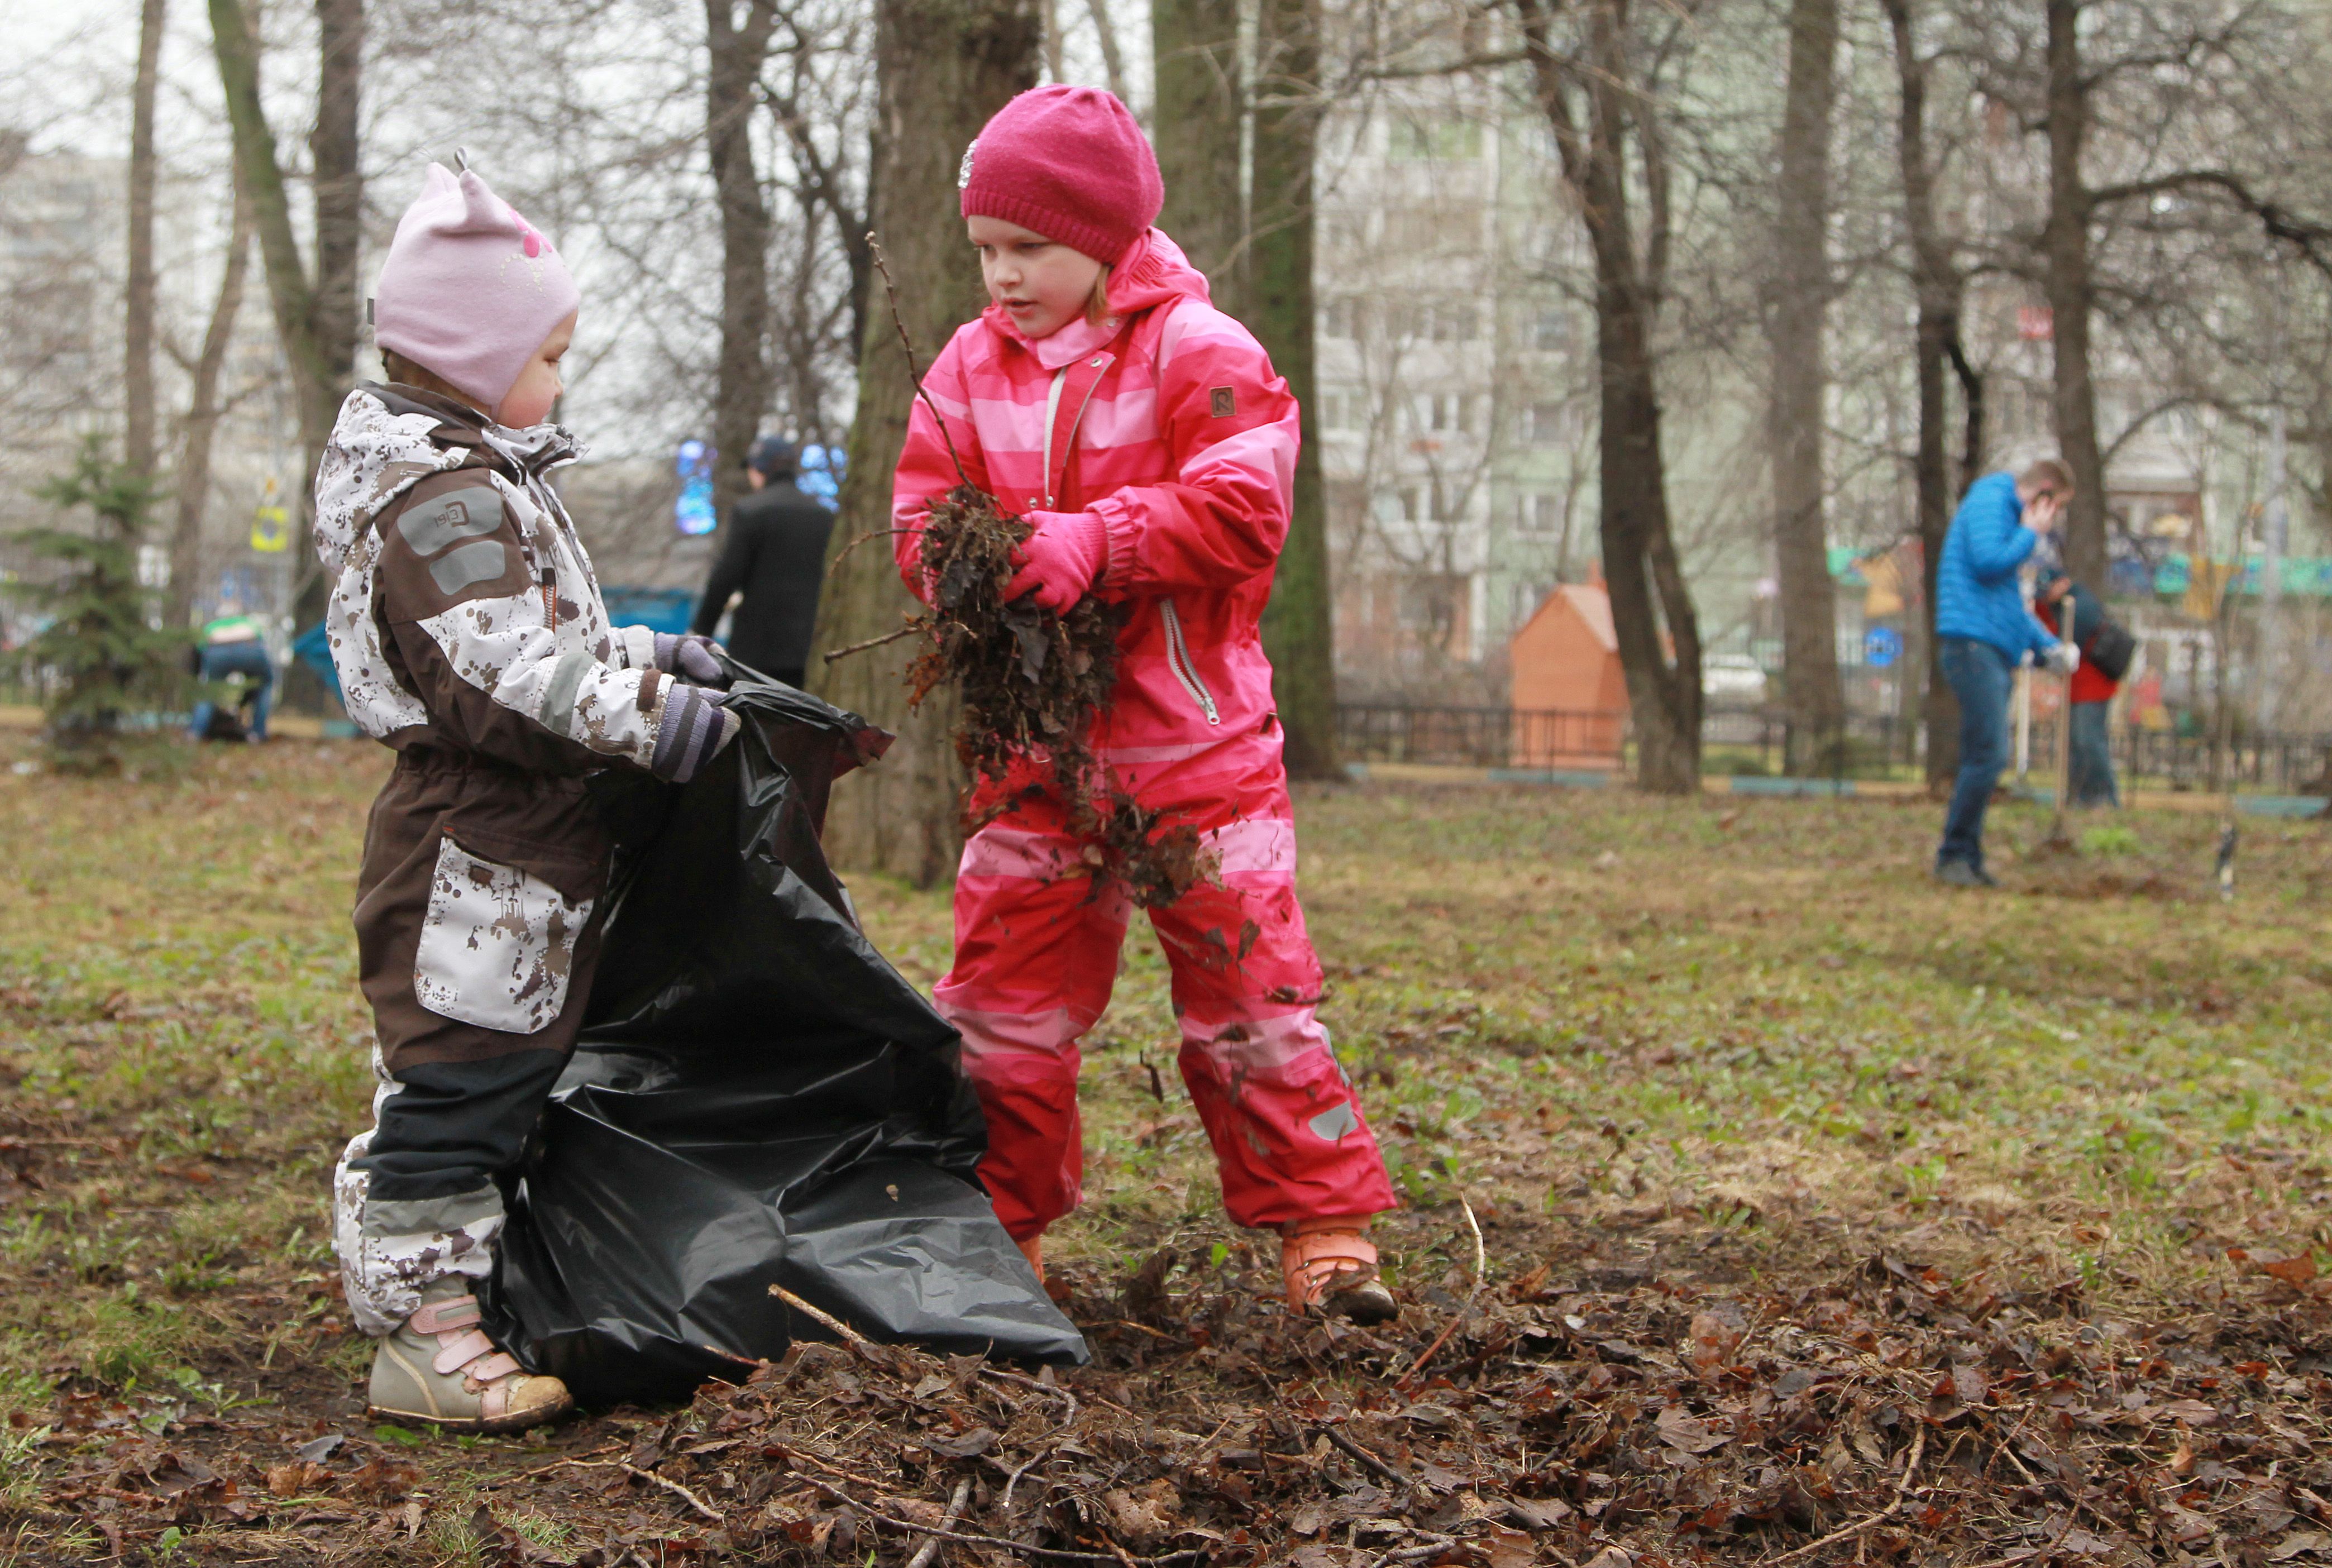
776	558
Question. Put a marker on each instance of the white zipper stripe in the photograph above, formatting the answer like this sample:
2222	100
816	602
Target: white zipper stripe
1052	411
1178	658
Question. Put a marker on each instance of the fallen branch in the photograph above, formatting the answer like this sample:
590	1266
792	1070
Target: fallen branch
1042	1388
1902	1490
931	1546
1023	1547
1368	1460
850	1337
674	1488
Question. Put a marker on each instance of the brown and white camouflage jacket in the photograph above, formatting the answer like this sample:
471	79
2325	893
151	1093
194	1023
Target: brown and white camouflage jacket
464	615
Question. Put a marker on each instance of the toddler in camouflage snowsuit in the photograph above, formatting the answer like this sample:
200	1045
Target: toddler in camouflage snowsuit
469	635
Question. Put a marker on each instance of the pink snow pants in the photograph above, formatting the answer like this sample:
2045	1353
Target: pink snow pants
1036	955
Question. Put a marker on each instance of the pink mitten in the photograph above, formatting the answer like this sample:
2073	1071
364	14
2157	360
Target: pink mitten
1061	561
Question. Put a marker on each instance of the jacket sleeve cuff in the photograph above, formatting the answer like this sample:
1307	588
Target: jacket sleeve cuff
691	728
1110	513
638	646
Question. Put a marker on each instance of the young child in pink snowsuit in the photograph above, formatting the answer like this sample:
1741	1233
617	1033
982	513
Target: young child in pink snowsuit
1145	435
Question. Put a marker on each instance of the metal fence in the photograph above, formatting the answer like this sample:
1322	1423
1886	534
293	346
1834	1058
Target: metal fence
1480	737
1756	740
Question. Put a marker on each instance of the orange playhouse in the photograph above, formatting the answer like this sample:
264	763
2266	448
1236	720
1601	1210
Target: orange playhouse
1570	700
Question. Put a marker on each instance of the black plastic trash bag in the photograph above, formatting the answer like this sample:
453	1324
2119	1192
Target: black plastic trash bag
758	1097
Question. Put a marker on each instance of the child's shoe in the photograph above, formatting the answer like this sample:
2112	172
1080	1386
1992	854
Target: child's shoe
440	1368
1332	1268
1032	1249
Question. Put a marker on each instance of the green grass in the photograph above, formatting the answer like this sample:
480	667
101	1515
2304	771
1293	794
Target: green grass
1590	1014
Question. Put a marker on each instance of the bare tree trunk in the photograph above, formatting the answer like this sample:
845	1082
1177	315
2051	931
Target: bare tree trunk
742	393
1796	317
203	413
1112	58
1051	22
315	321
1298	632
1652	614
1937	285
2066	244
1200	96
137	315
942	68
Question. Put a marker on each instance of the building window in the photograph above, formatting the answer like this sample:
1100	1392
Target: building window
1451	323
1445	413
1343	411
1539	512
1554	335
1341	318
1542	425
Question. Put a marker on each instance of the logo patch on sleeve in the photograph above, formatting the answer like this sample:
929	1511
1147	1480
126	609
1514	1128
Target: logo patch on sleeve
1224	401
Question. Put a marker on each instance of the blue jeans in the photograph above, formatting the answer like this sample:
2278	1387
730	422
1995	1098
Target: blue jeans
248	660
1980	676
2092	783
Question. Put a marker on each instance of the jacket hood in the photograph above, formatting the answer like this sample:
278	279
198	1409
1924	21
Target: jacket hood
1153	271
387	438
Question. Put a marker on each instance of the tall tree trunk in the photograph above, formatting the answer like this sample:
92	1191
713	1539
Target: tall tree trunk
333	303
942	68
1201	92
1937	284
1652	614
1112	58
203	412
742	393
1298	632
137	315
1796	310
2066	242
315	321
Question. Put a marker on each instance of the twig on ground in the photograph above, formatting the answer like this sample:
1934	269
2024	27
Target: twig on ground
850	1337
1368	1460
931	1546
1480	1272
1023	1547
1902	1490
1004	1503
674	1488
1056	1389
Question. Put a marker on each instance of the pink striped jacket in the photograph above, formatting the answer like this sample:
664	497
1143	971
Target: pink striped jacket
1168	421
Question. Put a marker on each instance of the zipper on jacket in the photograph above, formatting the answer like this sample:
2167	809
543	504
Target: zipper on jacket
1052	410
1177	656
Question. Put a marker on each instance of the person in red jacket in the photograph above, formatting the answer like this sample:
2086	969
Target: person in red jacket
2091	697
1146	436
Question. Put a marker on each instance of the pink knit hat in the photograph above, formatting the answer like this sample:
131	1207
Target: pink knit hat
1068	163
470	290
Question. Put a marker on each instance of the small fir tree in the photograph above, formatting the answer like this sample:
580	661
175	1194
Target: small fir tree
115	668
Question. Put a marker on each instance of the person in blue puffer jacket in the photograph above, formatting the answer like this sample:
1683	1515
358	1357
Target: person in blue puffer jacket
1983	632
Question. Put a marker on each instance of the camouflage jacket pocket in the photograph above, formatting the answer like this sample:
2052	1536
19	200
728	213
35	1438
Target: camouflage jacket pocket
497	945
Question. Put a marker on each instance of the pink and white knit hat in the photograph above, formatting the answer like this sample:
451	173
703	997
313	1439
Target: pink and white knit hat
470	288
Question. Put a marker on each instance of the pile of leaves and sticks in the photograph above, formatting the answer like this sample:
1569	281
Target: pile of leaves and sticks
1885	1414
1030	683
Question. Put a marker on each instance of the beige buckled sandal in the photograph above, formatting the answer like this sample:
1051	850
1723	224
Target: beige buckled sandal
440	1368
1332	1268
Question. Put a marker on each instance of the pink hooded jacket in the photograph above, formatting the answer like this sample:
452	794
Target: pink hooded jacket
1167	422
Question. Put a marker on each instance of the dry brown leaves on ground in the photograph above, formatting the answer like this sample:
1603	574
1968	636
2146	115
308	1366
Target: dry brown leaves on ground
1888	1415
